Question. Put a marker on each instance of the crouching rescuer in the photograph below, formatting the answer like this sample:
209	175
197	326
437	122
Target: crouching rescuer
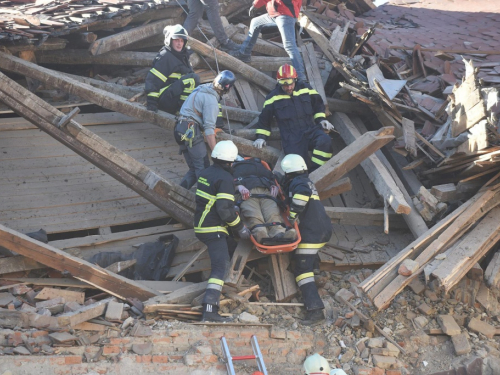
315	228
215	212
171	79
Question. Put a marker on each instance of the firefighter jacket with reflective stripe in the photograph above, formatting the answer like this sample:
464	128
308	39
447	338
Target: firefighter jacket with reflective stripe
315	225
277	8
168	67
296	114
215	204
251	173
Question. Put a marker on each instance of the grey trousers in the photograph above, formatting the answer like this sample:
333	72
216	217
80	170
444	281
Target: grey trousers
197	160
196	9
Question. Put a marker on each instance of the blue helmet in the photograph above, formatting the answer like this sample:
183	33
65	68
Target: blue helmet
224	81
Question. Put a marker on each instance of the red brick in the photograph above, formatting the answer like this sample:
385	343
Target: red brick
176	357
143	359
378	371
392	372
54	361
14	339
160	359
112	349
39	333
120	340
210	359
173	334
72	360
167	340
293	335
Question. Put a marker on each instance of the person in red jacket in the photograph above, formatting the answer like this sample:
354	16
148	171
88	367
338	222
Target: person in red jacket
280	13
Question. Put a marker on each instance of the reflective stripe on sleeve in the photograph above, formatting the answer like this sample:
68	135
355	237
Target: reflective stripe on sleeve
235	222
159	75
319	114
275	98
225	196
263	132
210	230
321	153
317	161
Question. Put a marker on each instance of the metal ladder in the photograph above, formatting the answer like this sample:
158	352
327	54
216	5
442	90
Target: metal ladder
229	359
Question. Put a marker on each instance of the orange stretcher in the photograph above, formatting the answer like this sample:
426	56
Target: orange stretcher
279	247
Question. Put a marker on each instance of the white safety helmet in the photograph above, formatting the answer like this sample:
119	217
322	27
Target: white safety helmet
226	151
316	365
174	32
293	163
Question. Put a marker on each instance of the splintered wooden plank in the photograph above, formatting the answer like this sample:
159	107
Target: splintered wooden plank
312	70
68	283
409	136
348	158
238	261
285	287
374	168
338	187
85	313
50	256
68	295
338	37
246	94
182	296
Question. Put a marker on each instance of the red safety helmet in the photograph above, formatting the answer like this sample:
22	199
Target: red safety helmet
285	74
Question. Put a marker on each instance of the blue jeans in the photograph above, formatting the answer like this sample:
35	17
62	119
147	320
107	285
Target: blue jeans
286	26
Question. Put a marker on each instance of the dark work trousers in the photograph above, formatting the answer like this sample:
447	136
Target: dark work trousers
196	157
219	260
304	276
315	140
196	9
172	99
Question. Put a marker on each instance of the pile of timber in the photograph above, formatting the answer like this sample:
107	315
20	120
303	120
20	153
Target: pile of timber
445	253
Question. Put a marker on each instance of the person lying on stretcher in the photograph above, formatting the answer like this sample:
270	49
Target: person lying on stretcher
259	208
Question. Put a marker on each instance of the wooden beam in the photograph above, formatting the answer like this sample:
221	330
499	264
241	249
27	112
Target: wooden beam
285	287
162	193
232	63
374	168
109	100
18	263
246	94
362	217
348	106
338	187
49	45
312	70
455	51
108	282
245	147
182	295
124	38
350	157
82	57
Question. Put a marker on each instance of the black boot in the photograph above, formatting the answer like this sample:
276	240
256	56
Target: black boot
211	314
314	317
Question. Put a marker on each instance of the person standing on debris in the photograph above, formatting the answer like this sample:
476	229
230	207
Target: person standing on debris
280	13
214	212
259	210
315	229
196	9
171	79
198	116
300	114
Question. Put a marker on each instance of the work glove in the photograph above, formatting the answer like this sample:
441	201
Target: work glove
292	220
152	107
251	11
274	191
259	143
244	233
245	193
327	125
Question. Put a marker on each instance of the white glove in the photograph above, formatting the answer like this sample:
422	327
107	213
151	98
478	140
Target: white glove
327	125
245	193
259	143
274	191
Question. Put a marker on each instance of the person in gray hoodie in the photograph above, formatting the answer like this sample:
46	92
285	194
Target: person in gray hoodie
197	120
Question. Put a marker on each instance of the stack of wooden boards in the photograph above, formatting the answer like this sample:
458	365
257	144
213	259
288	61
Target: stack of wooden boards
445	253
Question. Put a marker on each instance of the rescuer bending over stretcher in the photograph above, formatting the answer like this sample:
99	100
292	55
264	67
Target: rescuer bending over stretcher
259	209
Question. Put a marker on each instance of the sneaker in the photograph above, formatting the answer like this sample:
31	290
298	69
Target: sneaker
313	317
229	46
242	57
211	314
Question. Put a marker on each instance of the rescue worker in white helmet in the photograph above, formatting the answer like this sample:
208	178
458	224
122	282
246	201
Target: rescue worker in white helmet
171	79
315	229
300	114
316	365
214	213
198	117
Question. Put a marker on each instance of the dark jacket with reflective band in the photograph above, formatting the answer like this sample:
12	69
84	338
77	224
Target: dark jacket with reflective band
294	114
315	225
215	204
167	68
251	173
